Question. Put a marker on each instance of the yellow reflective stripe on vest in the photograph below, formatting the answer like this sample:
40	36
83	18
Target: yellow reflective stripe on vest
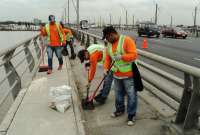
97	47
120	65
47	27
68	36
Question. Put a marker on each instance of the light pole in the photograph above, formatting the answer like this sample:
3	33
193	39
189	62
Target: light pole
68	12
110	19
195	18
65	16
171	23
156	14
77	13
126	18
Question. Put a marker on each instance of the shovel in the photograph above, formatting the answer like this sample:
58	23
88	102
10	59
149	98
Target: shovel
84	102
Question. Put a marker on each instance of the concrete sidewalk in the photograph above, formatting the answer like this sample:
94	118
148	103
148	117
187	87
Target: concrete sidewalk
32	116
153	116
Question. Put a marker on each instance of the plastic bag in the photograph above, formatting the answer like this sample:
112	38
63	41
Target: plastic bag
60	98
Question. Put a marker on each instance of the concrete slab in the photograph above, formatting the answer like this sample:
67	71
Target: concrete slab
99	122
34	117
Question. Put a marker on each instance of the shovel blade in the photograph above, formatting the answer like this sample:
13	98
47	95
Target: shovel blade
87	105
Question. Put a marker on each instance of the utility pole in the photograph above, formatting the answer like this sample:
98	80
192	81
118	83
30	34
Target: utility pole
68	13
133	21
119	21
110	19
65	16
100	22
126	18
94	20
156	14
77	6
171	23
195	17
195	22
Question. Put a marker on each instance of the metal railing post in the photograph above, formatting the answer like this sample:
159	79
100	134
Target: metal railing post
95	40
79	35
182	111
29	57
37	48
14	76
83	39
88	41
191	119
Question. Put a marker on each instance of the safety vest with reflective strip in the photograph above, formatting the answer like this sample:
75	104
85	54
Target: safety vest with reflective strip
68	36
97	47
120	65
47	27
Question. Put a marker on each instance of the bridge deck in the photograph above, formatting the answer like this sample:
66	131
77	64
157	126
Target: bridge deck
34	117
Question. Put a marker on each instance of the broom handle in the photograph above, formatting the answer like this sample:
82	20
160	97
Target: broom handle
43	54
87	96
94	93
42	49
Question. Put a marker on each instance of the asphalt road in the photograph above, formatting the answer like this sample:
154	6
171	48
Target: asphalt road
183	50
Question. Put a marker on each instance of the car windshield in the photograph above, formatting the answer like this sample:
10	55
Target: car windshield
153	26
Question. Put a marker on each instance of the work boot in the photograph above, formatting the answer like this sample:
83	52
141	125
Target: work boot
100	99
131	120
60	67
49	71
73	56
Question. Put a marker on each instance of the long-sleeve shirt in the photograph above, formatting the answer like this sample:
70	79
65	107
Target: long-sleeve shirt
129	56
95	57
66	31
54	34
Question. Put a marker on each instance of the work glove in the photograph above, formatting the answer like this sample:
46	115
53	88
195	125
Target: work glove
105	72
117	57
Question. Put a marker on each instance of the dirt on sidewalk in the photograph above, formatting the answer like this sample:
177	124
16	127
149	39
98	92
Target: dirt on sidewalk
99	122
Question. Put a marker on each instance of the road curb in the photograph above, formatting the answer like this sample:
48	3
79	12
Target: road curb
78	111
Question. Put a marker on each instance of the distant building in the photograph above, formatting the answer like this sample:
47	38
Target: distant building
37	21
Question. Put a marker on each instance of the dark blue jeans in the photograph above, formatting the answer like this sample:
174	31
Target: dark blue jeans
57	50
123	87
106	85
70	43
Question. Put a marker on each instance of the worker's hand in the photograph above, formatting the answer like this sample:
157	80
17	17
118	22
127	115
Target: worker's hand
117	57
105	71
63	43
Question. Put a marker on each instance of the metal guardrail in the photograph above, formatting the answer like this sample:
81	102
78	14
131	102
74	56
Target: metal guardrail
18	64
189	100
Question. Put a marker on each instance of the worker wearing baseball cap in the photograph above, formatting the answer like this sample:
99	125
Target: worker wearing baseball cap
95	53
123	52
55	36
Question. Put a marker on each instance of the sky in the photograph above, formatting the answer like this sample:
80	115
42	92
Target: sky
182	11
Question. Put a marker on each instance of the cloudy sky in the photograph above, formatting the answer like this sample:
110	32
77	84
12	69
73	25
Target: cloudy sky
181	10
